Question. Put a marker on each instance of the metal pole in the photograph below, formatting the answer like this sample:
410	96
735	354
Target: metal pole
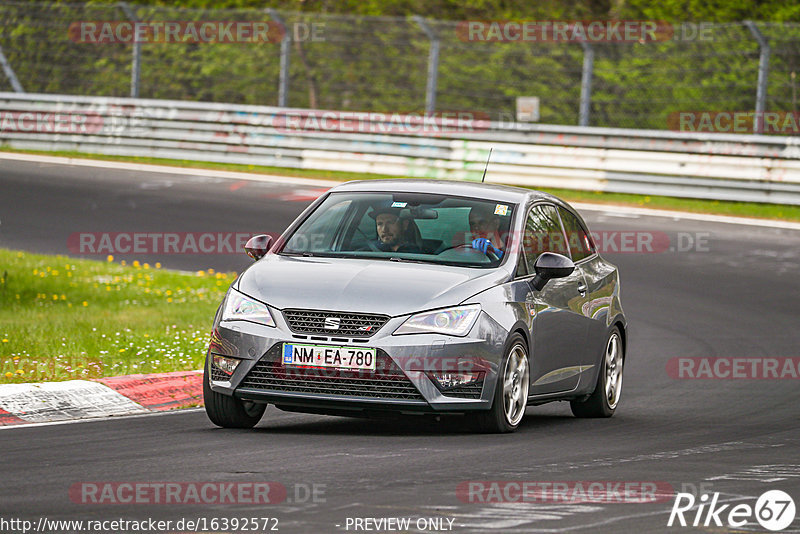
10	73
586	84
763	71
136	62
283	80
433	65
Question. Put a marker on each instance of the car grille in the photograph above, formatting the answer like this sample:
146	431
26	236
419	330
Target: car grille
387	381
470	391
349	324
218	375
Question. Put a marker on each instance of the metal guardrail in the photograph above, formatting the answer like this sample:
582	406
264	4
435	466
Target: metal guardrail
749	168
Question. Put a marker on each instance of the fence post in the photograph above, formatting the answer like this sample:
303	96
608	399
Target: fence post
137	52
283	79
433	65
586	84
12	77
763	71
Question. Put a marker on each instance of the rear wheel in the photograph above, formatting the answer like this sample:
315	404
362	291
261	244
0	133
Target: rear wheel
511	391
227	411
605	398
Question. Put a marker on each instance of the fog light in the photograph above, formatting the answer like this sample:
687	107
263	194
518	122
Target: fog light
226	365
450	380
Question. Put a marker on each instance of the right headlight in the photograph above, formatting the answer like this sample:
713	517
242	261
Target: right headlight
239	306
456	321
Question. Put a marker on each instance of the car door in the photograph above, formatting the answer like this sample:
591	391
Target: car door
558	327
600	282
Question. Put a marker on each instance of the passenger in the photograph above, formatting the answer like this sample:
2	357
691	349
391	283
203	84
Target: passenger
484	224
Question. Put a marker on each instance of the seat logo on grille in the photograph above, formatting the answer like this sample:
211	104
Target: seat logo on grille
332	323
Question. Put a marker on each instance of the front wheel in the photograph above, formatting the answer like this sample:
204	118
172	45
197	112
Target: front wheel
511	391
605	398
227	411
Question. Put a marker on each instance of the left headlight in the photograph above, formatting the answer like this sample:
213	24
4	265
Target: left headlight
451	321
239	306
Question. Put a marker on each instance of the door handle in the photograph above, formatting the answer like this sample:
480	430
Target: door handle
582	290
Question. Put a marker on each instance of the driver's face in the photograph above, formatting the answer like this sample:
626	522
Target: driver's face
388	227
482	224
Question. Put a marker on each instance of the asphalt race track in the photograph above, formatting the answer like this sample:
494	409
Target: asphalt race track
733	295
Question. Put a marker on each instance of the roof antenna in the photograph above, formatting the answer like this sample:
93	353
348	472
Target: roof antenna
487	164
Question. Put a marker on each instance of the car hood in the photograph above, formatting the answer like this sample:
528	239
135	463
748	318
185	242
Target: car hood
358	285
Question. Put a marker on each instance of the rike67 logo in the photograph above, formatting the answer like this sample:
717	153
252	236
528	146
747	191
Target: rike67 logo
774	510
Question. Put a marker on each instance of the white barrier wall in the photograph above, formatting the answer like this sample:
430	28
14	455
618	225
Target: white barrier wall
715	166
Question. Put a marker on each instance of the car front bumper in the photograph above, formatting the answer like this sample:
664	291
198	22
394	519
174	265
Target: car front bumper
402	381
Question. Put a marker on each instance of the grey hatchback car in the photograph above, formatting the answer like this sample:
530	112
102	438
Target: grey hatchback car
420	296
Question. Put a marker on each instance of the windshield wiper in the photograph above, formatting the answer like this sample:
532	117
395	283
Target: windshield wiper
409	260
296	254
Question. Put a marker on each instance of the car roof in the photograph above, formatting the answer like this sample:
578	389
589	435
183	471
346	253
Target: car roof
495	192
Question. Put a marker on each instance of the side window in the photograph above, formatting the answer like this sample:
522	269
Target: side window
543	233
321	230
579	243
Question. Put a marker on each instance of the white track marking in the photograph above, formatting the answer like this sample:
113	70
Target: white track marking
102	419
60	401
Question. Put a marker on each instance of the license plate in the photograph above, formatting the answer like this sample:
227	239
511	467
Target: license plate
328	356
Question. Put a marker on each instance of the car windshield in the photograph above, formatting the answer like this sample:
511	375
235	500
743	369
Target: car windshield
417	227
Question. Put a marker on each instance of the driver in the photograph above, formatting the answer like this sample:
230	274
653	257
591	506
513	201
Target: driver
484	226
394	231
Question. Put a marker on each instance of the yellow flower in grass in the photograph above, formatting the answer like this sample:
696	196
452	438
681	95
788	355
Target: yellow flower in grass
5	340
109	258
9	375
85	303
136	264
158	265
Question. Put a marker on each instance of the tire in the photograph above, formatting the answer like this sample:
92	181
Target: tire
604	399
511	392
229	412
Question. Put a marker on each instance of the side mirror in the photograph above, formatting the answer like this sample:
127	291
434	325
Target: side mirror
550	265
257	246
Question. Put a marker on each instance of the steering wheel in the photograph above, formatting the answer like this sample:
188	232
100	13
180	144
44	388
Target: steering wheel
489	253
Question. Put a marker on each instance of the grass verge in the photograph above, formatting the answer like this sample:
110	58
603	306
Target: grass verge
63	318
739	209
